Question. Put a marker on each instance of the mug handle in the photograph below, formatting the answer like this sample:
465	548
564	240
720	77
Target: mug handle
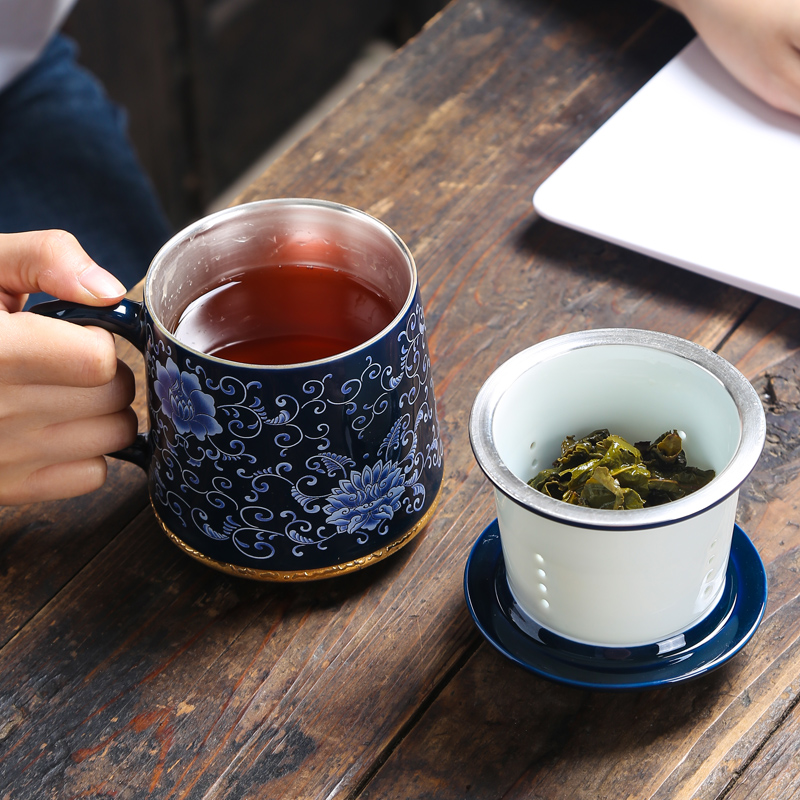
126	319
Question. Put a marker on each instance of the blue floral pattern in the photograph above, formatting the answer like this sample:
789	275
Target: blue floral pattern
183	402
366	498
280	471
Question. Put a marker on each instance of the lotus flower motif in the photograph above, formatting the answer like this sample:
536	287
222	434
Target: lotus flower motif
366	498
183	402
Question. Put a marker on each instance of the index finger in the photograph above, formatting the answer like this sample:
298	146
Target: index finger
54	262
39	350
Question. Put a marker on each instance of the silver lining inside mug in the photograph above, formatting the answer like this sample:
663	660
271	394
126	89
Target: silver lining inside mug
274	232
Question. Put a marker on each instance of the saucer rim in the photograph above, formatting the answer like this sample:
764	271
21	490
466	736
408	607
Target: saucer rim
749	597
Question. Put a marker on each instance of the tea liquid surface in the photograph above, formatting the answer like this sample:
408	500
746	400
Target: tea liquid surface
284	314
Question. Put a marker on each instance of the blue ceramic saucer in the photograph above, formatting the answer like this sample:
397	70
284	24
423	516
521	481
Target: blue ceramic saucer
706	646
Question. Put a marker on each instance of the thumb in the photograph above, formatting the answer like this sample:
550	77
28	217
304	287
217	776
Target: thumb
52	262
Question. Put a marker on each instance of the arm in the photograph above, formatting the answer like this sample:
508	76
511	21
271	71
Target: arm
64	397
757	41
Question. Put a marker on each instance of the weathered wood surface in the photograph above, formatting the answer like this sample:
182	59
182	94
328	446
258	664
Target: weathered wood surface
133	672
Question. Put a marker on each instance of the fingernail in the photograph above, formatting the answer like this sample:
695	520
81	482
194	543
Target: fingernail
100	283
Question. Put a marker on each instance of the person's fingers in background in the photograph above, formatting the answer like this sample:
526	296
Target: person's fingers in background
757	42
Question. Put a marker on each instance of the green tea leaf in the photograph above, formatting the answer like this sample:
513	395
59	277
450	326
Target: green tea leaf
603	470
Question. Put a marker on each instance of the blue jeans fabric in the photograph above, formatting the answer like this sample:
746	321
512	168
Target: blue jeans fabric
66	162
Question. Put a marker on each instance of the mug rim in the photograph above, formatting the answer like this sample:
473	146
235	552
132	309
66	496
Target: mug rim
208	221
751	440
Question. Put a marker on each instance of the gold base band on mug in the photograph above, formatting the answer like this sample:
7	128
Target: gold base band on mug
288	576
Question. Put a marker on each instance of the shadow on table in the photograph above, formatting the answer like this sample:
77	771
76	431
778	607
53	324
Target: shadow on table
594	261
507	733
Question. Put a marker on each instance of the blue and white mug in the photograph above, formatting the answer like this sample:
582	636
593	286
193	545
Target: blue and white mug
288	472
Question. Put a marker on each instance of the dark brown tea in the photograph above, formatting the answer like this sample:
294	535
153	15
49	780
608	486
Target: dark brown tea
284	314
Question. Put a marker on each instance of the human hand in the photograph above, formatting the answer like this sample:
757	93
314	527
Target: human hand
64	397
757	41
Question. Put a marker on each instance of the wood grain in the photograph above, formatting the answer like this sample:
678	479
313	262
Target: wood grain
139	673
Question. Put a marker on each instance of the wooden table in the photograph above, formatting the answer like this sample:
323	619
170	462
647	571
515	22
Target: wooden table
130	671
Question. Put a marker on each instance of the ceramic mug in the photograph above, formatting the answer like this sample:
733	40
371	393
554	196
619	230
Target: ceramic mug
283	472
602	577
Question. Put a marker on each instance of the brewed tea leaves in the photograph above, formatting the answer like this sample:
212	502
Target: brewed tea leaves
603	470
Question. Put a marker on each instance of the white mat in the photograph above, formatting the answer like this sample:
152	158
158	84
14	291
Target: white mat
694	170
